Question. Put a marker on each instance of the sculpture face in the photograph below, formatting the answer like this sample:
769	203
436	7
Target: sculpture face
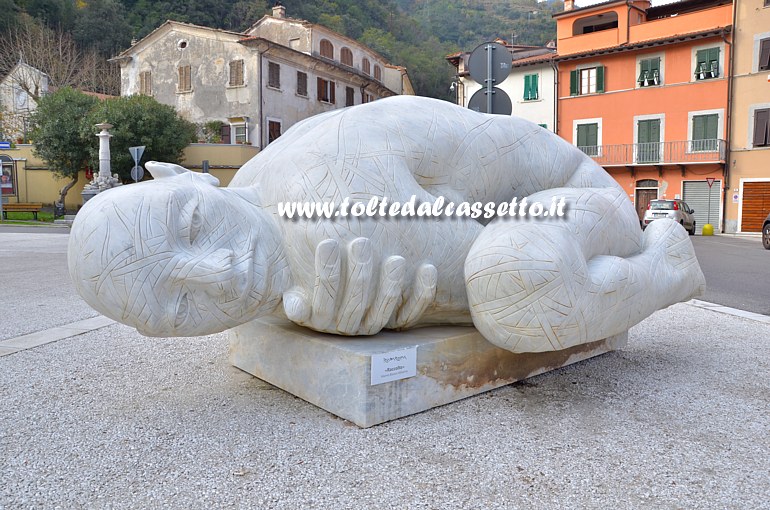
176	257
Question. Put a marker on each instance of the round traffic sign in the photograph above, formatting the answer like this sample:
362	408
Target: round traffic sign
137	173
501	103
501	60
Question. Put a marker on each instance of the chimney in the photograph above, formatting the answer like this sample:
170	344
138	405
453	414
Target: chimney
569	5
279	11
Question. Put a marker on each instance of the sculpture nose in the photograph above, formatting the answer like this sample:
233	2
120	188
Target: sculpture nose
205	269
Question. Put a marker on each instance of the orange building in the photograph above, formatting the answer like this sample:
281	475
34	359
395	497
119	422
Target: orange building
644	91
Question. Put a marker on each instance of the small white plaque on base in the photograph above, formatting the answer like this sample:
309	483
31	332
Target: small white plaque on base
394	365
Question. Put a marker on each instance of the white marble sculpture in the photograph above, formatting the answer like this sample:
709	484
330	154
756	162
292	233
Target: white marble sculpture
180	256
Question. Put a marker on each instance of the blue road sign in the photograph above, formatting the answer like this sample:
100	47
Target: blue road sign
5	145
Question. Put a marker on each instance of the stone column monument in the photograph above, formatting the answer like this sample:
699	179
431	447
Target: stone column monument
104	179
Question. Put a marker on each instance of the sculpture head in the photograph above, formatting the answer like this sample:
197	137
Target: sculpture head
177	256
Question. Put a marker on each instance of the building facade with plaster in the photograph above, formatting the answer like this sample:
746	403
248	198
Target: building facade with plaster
748	191
255	85
644	91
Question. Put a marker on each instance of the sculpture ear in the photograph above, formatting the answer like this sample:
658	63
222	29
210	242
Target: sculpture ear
161	170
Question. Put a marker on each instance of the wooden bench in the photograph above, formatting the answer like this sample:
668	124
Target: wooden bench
34	208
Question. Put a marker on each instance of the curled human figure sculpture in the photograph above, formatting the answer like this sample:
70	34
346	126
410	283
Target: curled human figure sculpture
179	256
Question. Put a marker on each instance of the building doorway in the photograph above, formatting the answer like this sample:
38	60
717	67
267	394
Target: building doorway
646	190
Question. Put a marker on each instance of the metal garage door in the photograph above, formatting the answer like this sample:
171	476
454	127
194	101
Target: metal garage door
755	206
697	194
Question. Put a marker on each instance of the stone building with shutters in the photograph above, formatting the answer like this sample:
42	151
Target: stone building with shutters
252	86
644	91
748	190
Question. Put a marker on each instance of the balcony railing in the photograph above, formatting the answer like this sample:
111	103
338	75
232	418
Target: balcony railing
658	153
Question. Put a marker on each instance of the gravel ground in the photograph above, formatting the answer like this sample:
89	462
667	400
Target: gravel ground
36	290
110	419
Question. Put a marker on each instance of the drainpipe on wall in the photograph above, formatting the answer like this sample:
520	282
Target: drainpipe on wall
259	108
555	68
728	121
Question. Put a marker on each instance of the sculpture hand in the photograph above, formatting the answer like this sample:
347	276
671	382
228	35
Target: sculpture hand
353	304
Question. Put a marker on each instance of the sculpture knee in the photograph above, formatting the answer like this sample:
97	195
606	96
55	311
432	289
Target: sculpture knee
524	284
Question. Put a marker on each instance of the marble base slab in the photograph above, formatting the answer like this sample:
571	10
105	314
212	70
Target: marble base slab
334	372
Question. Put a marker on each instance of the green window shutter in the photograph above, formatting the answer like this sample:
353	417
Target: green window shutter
644	132
712	126
701	57
713	61
644	69
527	86
593	134
573	83
654	64
582	135
600	79
533	87
699	127
544	126
654	131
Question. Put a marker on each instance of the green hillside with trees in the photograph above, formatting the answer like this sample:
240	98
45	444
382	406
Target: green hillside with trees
417	34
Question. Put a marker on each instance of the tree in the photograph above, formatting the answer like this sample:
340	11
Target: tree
54	61
138	120
89	29
57	135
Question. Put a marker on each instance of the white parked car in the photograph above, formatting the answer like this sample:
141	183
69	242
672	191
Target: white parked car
676	210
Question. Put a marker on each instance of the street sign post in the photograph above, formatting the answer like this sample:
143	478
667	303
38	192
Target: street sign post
710	182
489	64
137	173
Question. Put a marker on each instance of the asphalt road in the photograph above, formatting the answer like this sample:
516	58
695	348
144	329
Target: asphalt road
737	271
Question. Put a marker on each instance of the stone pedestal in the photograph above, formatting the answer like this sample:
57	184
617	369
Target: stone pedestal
334	372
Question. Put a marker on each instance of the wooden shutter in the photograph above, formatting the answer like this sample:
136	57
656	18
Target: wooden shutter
593	135
644	71
332	87
764	55
654	65
582	132
320	86
225	133
526	85
533	92
600	79
573	83
699	127
349	96
761	127
712	126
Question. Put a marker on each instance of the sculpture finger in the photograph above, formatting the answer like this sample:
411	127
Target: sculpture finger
356	298
327	283
296	306
388	295
424	293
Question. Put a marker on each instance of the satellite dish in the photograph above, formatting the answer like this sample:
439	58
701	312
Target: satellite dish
501	103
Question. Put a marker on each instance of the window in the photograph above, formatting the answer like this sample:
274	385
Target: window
366	98
241	134
588	138
326	91
301	84
273	75
224	133
236	73
764	55
649	72
530	87
185	79
586	81
145	83
349	96
377	73
648	141
327	49
762	128
273	130
597	23
704	132
346	57
707	64
366	66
